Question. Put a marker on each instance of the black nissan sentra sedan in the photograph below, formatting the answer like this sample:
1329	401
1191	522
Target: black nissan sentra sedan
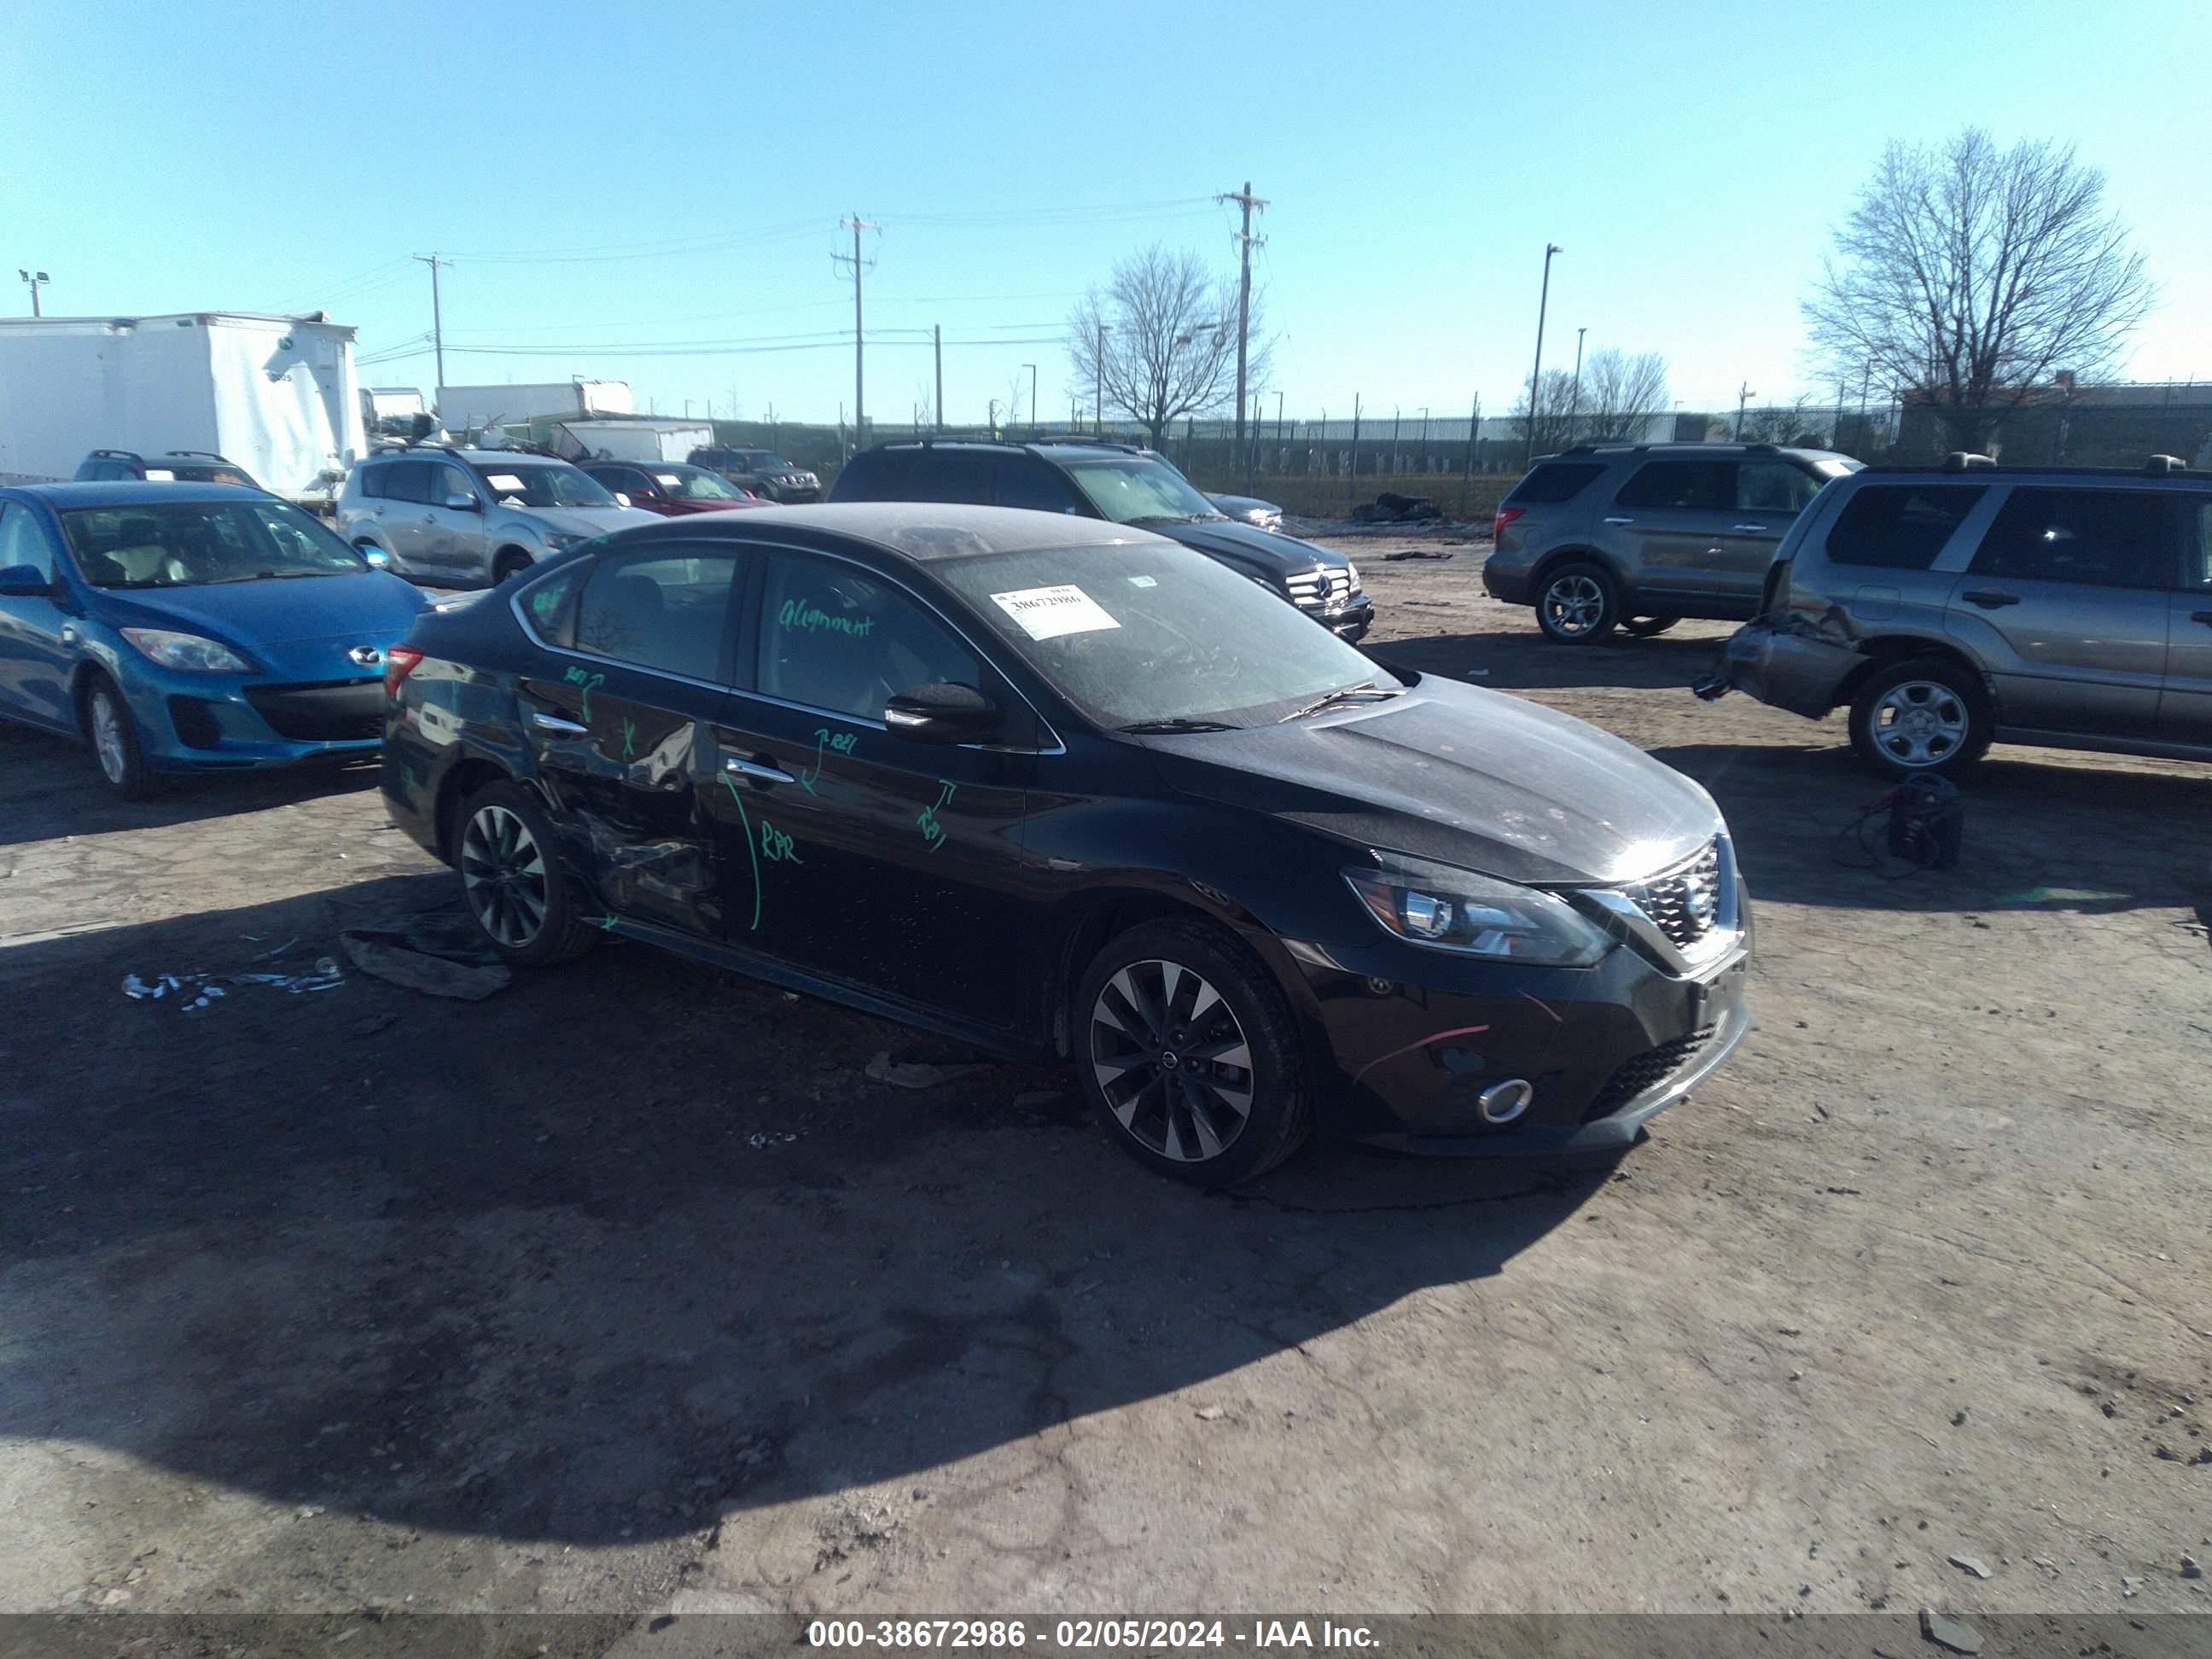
1064	789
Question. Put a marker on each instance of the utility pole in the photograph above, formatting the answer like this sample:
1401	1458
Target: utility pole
33	277
1098	387
1246	242
937	339
1474	427
856	224
1033	406
437	317
1575	408
1352	492
1742	397
1536	375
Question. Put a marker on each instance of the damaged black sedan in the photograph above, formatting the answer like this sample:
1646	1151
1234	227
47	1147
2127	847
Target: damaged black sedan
1068	791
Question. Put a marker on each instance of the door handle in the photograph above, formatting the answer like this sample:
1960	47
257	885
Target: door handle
1755	529
1990	598
555	724
1620	521
758	773
2204	616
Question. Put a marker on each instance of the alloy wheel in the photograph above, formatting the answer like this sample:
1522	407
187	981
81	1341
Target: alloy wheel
107	737
1920	723
503	873
1573	604
1171	1059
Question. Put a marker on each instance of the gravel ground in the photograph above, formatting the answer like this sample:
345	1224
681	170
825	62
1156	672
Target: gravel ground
627	1291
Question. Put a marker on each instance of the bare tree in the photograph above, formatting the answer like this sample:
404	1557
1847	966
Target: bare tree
1621	396
1803	424
1159	343
1969	275
1555	423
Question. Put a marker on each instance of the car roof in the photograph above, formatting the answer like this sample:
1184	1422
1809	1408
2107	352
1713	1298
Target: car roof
474	457
1689	449
1065	449
923	532
133	492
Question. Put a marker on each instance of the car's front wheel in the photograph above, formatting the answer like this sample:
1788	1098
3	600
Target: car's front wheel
1578	603
113	735
510	561
1924	715
513	882
1186	1052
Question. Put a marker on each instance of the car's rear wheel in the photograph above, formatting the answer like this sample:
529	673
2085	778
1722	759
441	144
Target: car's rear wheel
1643	628
1924	715
513	882
1186	1052
510	559
113	735
1578	603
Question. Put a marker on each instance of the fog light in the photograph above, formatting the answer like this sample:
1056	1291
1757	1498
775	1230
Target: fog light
1501	1102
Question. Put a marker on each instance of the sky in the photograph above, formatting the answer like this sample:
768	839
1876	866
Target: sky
652	194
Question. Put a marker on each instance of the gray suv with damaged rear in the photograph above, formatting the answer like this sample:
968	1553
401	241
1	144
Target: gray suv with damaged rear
1954	607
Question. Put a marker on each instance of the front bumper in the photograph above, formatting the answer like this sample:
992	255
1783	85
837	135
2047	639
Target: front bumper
1349	623
228	723
1783	664
1417	1036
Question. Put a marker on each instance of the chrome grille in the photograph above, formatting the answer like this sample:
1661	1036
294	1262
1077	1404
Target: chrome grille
1324	588
1685	902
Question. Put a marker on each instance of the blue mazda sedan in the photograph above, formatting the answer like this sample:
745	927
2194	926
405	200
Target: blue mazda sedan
190	628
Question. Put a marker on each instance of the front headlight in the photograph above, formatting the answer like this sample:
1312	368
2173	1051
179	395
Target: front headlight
1448	908
1352	570
561	540
187	651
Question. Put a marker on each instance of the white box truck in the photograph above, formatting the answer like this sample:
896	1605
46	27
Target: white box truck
642	439
276	394
470	408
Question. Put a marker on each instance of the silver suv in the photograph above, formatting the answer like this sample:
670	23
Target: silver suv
1951	608
468	516
1640	536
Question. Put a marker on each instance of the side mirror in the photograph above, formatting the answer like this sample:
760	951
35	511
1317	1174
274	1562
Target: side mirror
620	500
457	503
25	581
942	714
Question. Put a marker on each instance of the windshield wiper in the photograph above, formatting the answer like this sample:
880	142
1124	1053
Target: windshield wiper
1365	691
1177	723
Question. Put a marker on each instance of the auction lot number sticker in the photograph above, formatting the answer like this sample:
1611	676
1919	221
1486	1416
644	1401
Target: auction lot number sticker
1046	613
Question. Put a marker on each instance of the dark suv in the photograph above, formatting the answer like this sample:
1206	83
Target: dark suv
762	471
1123	485
1641	536
172	466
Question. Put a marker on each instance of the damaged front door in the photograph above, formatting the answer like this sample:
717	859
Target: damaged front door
624	731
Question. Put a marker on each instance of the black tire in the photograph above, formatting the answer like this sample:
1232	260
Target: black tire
1163	1106
112	733
1577	603
1643	628
1943	703
510	559
528	910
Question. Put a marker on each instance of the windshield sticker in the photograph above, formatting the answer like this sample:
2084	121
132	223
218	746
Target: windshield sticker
1046	613
160	475
1142	581
668	480
504	481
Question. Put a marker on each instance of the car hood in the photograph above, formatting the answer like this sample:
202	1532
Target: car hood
677	509
1465	776
370	608
585	520
1244	543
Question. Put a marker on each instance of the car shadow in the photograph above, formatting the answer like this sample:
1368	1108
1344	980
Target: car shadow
628	1242
53	788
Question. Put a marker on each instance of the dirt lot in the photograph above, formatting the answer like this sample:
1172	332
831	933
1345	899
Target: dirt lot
627	1291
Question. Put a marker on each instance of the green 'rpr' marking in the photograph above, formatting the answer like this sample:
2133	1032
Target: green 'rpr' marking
590	681
751	852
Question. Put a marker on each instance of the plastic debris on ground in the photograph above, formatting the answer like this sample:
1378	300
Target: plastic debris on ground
191	992
439	954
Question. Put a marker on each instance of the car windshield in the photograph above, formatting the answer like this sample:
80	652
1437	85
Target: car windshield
766	460
694	484
1148	632
196	544
1141	490
518	484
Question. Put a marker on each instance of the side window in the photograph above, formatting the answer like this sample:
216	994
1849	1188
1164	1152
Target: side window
1552	482
2099	538
1900	526
663	611
550	603
638	486
834	636
1033	484
372	482
950	475
1773	486
408	481
1706	486
2199	511
451	480
22	541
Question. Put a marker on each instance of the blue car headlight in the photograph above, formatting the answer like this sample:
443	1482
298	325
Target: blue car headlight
189	651
1448	908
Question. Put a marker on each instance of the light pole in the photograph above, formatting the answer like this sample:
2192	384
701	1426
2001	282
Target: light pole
1742	397
1033	412
33	277
1575	408
1536	375
1425	437
993	417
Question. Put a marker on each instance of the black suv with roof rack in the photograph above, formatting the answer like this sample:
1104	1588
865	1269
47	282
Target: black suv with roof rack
1123	484
1639	536
170	466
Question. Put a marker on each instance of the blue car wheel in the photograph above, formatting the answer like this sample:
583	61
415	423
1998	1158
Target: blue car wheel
113	735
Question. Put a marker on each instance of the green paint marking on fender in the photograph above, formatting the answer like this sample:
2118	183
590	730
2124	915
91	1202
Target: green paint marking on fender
751	852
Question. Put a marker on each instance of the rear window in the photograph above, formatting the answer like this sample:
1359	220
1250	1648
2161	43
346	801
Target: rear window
1554	480
1695	486
1900	526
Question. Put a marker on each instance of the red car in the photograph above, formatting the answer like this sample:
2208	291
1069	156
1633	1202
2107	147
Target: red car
672	489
